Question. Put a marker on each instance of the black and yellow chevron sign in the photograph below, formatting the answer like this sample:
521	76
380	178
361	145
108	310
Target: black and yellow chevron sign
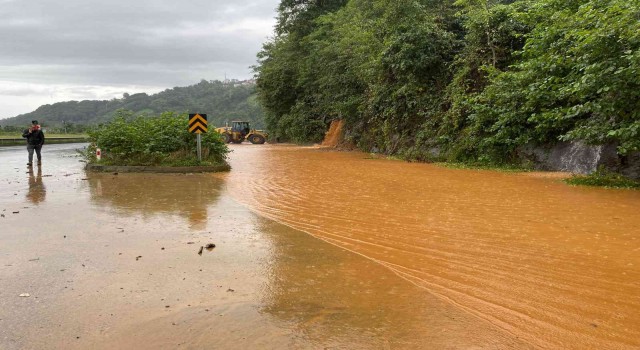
198	123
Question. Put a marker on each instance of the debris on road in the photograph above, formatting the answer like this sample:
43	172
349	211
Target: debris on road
25	295
200	251
210	246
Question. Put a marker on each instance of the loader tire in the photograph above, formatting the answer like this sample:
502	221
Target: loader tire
257	139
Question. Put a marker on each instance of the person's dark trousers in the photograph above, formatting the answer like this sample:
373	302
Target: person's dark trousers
32	148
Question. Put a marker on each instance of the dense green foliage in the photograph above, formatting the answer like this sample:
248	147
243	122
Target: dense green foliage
469	80
161	140
221	102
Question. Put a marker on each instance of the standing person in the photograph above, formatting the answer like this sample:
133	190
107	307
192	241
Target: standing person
35	140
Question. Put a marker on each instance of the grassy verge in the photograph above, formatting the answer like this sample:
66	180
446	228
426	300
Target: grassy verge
47	136
603	178
507	168
502	167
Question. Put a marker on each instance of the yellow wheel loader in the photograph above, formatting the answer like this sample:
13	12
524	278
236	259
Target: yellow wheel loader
240	131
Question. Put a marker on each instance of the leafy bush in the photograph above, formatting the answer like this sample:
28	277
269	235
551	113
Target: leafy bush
603	178
162	140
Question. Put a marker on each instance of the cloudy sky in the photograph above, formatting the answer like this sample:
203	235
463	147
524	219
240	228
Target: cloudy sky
59	50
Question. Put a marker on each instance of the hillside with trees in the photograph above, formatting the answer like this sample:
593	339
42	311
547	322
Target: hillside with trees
470	80
221	102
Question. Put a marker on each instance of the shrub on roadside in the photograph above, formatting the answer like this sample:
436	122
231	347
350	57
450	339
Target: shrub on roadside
162	140
603	178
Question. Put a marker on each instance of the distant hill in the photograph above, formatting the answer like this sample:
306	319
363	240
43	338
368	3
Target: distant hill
221	101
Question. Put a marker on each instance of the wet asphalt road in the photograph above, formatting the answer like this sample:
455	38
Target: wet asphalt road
111	261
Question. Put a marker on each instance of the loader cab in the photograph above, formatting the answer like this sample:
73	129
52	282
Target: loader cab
242	127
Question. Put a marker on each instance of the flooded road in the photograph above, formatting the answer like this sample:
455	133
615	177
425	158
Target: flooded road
110	261
409	256
553	265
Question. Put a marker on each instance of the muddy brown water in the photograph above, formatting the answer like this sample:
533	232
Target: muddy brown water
553	265
314	249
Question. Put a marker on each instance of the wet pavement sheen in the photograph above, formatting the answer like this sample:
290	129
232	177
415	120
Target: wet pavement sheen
314	249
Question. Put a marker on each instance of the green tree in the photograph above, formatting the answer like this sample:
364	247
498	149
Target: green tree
578	79
473	79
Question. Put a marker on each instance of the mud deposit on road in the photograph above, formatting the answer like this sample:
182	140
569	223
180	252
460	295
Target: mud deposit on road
110	261
555	266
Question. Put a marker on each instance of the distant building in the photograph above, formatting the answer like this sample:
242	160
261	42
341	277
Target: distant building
236	82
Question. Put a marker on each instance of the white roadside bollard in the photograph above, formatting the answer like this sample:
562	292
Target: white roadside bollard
98	154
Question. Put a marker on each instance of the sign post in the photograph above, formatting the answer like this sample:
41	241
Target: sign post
199	141
198	125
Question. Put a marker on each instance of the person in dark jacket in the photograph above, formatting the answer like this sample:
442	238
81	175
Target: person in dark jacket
35	140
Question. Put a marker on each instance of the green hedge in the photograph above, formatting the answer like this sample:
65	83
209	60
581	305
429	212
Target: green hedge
162	140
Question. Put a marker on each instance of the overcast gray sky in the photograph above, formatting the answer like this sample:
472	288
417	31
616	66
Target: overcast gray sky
59	50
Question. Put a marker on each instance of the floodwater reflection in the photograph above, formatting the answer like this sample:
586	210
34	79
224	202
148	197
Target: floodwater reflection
37	190
187	196
268	286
